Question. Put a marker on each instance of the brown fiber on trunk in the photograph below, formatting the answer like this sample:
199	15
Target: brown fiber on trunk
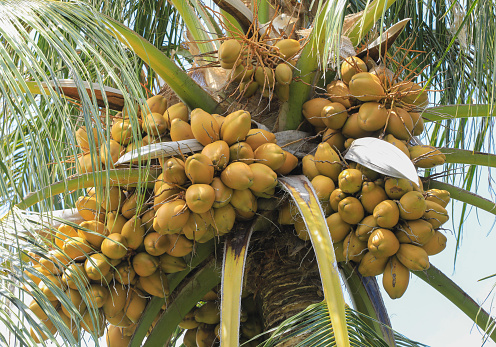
282	274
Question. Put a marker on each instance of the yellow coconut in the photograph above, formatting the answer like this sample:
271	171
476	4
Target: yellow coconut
199	168
413	257
395	188
114	246
334	115
412	205
156	284
264	178
370	265
439	196
257	137
171	217
435	214
174	171
237	175
335	139
312	110
94	232
309	167
338	228
350	181
180	130
125	273
200	197
436	244
382	243
241	151
290	163
372	116
229	51
371	196
398	143
351	210
89	207
97	266
224	218
156	244
156	104
365	228
352	129
366	87
235	127
353	248
426	156
204	127
271	155
395	278
218	152
400	123
288	48
338	92
327	161
351	66
154	124
418	232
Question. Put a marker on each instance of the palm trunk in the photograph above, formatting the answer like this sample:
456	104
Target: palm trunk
283	276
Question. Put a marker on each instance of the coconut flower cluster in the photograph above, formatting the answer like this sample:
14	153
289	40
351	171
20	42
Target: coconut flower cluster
131	239
260	66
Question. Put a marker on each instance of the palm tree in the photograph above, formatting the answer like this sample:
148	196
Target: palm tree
140	49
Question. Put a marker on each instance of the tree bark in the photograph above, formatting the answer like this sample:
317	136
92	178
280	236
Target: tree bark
283	275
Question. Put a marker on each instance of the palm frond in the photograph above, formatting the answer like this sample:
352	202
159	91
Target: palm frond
315	329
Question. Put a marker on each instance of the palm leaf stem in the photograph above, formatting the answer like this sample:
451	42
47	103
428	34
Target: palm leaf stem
133	176
461	156
301	191
314	56
181	83
440	113
367	299
235	250
440	282
463	195
200	284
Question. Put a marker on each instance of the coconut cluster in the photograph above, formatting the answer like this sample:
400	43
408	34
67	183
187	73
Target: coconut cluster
260	67
131	239
117	257
386	225
202	323
368	102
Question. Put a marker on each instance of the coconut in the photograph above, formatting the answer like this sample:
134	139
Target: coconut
338	228
351	210
334	115
387	214
382	243
365	227
370	265
412	205
350	67
372	116
350	181
395	278
180	130
204	127
418	232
